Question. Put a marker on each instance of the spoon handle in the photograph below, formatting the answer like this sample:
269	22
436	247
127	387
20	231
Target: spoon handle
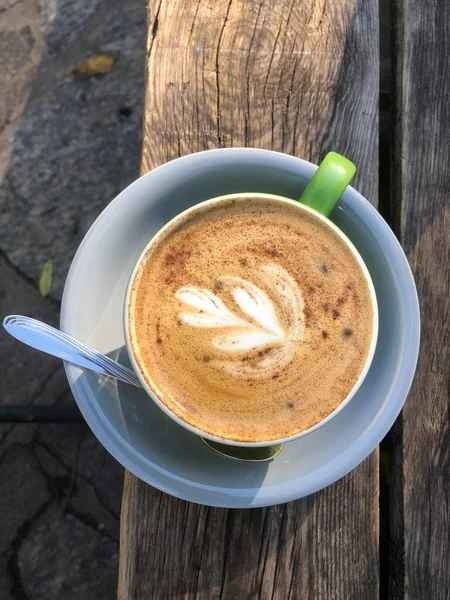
52	341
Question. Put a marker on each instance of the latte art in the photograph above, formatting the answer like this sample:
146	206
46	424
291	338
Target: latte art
258	327
250	321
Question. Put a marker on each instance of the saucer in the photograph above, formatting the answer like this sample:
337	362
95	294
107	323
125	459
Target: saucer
143	438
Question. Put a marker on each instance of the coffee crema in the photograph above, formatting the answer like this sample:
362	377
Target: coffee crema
250	320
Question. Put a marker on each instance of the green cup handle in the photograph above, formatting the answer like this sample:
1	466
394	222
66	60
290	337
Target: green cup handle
328	183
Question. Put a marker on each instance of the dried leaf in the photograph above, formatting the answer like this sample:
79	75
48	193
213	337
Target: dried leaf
75	225
96	65
45	280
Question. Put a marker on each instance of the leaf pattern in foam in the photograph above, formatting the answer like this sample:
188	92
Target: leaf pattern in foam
256	304
270	365
290	298
210	310
243	342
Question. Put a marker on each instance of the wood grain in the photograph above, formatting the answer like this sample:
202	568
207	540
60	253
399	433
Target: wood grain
302	78
297	77
324	546
421	502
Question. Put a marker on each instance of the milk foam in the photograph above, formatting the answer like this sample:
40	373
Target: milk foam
250	321
261	326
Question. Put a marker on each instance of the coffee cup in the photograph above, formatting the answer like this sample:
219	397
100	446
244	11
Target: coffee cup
265	346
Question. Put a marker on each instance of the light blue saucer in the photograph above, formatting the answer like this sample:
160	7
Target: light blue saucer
134	429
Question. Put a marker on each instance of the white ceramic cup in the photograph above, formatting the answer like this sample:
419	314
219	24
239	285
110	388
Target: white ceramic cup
184	217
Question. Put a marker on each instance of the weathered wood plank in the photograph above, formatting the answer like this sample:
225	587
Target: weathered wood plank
421	502
299	77
324	546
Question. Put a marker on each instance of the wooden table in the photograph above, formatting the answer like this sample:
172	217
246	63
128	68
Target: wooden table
302	77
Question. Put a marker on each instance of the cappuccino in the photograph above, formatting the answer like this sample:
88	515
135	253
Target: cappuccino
250	320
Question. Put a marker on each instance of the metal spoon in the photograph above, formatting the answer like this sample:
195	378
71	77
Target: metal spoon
52	341
56	343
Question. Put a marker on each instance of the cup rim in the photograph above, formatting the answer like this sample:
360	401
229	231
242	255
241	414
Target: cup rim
205	205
